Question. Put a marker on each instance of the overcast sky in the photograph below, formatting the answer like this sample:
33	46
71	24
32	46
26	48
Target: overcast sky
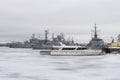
75	18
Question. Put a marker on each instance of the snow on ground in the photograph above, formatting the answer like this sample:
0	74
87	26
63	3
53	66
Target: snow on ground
28	64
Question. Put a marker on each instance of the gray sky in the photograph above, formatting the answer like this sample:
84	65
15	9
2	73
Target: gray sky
20	18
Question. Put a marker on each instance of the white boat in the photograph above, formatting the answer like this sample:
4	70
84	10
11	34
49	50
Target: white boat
70	51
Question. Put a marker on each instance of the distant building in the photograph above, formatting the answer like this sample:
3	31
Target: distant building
119	38
115	44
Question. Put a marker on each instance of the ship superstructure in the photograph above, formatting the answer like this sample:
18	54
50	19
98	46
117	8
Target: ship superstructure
95	42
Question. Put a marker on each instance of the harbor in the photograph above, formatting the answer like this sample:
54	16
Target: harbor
60	46
59	39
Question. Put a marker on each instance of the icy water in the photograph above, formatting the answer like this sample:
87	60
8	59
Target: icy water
28	64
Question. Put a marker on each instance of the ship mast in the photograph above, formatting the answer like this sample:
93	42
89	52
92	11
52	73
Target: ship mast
95	35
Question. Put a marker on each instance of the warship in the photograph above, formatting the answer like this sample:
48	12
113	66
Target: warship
36	43
96	43
26	44
56	41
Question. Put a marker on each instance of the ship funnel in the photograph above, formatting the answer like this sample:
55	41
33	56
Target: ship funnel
46	35
95	34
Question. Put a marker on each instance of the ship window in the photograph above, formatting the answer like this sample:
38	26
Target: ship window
81	48
68	49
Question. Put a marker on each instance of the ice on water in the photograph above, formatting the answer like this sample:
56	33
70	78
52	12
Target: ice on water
28	64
